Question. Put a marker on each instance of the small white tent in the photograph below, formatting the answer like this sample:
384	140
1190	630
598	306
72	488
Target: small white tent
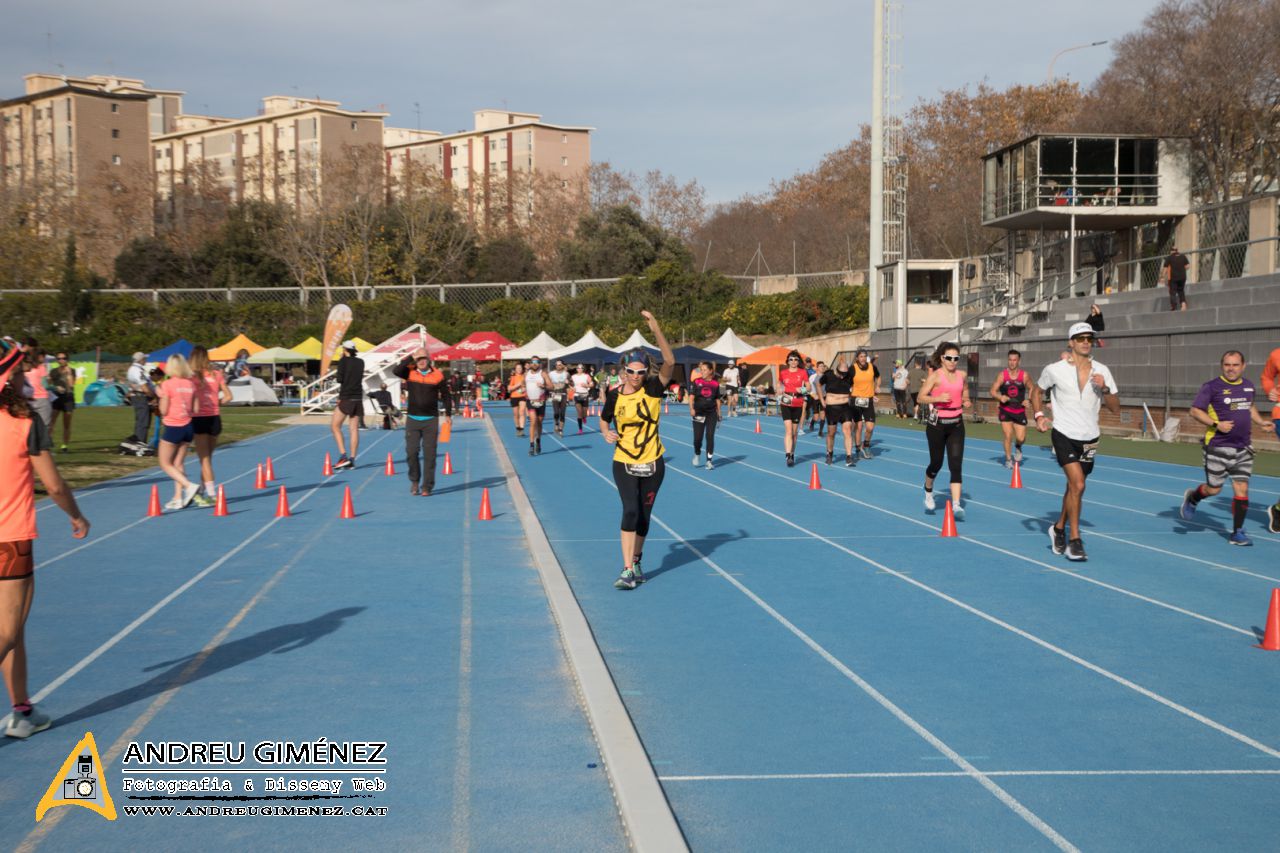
251	391
730	345
587	341
636	341
542	345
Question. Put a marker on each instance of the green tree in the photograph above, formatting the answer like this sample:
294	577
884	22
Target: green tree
618	241
506	258
149	263
74	301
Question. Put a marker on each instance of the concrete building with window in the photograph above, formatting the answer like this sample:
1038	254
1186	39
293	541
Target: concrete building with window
77	150
280	155
501	146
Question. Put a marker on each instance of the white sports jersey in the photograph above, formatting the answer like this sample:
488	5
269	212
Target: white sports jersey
1075	409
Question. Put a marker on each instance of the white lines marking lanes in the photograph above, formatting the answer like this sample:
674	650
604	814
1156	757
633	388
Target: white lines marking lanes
989	546
902	716
44	692
1115	536
954	774
994	620
45	562
46	503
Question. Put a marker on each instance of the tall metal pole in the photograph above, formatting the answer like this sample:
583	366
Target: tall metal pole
875	252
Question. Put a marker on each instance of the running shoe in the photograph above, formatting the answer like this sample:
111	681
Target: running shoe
1008	463
830	458
531	448
189	493
957	512
538	446
850	461
627	580
1057	540
520	431
174	504
202	500
697	460
930	505
579	430
1075	551
635	567
791	459
414	490
1188	509
1240	538
710	465
1274	512
343	462
25	725
1017	455
866	451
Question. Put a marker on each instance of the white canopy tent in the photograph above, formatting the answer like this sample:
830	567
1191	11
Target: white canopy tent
587	341
636	341
251	391
730	345
542	345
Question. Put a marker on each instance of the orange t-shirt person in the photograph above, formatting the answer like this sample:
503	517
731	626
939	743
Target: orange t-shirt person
1270	375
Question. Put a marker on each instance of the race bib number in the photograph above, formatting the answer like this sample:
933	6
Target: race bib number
557	398
1089	451
641	469
785	399
862	402
699	419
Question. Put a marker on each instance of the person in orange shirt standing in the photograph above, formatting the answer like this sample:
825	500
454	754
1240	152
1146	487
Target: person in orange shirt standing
25	448
1271	387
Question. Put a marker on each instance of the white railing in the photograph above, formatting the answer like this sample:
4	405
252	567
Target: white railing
322	394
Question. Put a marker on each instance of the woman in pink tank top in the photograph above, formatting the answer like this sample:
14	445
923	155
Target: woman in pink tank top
213	394
948	393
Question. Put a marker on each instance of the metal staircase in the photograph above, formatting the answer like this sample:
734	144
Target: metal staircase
321	395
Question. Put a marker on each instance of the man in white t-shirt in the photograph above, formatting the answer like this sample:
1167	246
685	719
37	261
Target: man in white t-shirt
141	393
1080	387
732	382
536	386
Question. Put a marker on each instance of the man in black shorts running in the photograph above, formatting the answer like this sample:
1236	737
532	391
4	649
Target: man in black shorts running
350	407
1010	392
1080	387
836	385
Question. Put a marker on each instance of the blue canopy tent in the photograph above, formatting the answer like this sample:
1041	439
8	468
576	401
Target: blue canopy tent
591	356
687	357
104	393
181	347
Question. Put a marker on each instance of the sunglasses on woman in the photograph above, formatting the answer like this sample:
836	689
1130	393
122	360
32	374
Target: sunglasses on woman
951	358
635	371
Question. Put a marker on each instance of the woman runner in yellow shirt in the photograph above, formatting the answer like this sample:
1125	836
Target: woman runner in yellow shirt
630	423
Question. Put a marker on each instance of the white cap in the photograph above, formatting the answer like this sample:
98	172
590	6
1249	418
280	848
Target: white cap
1080	329
348	344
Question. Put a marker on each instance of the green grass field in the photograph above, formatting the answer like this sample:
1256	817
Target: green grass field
91	454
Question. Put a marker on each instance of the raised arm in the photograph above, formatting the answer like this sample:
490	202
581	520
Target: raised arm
668	357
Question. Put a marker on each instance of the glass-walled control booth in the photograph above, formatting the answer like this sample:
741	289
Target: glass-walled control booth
1105	178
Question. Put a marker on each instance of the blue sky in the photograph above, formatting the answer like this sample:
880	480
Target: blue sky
734	94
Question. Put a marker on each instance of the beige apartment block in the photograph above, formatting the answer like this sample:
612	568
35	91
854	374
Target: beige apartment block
284	154
501	147
76	151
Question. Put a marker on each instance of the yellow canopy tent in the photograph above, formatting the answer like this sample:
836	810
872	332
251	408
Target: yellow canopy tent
310	348
362	345
227	352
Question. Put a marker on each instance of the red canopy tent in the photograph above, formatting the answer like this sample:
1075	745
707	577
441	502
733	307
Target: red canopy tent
404	339
478	346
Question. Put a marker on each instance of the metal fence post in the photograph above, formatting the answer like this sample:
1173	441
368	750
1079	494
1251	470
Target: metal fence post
1168	362
508	290
230	297
442	294
573	289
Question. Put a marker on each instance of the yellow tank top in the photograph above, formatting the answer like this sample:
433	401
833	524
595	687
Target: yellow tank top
864	381
636	419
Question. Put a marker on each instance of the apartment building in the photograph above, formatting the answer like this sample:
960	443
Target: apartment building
280	155
501	145
77	149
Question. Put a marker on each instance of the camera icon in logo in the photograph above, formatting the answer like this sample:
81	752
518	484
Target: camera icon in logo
84	786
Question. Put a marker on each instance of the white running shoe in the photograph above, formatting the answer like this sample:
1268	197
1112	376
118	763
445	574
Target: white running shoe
929	503
957	512
174	504
697	460
189	493
710	464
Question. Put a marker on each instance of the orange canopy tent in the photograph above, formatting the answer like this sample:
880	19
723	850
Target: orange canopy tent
768	356
228	351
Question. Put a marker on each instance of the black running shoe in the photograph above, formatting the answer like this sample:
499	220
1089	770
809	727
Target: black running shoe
791	459
830	458
1057	540
1274	512
531	448
538	447
1075	551
850	461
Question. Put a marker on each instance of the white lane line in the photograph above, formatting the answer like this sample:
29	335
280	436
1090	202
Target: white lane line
989	546
461	811
954	774
160	605
902	716
1013	629
44	562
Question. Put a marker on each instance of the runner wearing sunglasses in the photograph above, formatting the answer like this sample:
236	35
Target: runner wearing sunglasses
794	380
948	393
1080	388
630	423
582	385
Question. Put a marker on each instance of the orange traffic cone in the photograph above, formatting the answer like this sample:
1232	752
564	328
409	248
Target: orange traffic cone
666	409
479	410
486	512
261	481
814	483
271	471
153	506
220	505
1016	483
282	505
1271	637
446	431
949	522
466	412
757	426
391	466
328	466
448	465
348	508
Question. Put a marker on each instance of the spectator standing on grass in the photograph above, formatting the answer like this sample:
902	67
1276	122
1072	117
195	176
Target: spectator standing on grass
62	383
1225	407
916	375
901	379
142	395
1174	273
37	371
24	455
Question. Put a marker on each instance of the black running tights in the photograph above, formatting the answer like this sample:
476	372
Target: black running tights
948	437
638	495
709	428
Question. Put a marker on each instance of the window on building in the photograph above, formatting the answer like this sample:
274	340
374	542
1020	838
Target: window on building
115	108
115	133
564	137
355	125
453	150
115	159
564	161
